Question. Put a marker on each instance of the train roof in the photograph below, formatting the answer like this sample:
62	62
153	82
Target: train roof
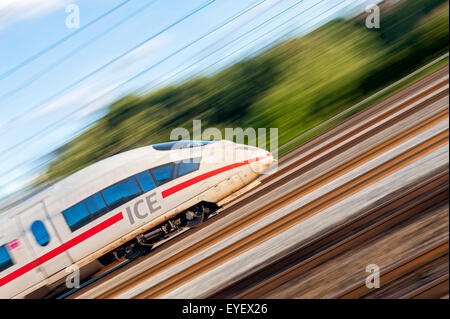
119	164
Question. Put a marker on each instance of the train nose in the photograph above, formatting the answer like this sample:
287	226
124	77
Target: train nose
258	158
263	161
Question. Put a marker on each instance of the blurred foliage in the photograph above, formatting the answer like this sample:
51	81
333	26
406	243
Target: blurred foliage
294	85
402	19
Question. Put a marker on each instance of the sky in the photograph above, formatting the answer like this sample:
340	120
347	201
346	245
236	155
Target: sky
60	91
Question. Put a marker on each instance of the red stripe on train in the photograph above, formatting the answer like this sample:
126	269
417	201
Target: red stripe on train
60	249
204	176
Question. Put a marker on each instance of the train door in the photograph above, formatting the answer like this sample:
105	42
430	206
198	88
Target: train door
43	240
14	256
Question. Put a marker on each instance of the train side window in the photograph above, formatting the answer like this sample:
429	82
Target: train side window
121	192
77	216
146	181
188	166
163	174
40	233
5	259
96	205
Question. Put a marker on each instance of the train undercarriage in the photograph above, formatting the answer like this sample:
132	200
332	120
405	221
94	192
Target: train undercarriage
143	243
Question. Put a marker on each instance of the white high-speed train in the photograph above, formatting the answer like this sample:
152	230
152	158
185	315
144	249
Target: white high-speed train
119	208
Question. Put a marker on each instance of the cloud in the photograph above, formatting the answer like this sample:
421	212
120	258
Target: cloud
12	11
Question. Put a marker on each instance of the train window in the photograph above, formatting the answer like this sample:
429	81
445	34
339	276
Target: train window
96	205
146	181
118	194
163	174
180	144
5	259
121	192
187	166
40	233
77	216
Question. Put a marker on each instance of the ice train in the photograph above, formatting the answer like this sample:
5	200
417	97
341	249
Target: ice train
119	208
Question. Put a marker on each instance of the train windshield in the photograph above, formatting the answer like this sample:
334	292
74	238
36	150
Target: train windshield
180	144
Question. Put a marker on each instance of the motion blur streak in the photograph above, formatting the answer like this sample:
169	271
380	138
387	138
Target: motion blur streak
294	86
359	181
362	152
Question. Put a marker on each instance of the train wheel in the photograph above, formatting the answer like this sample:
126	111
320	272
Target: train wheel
133	252
195	216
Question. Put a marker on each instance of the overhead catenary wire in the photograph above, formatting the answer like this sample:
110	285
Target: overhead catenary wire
61	121
273	29
117	58
78	49
246	45
232	32
266	33
142	72
30	59
233	18
278	26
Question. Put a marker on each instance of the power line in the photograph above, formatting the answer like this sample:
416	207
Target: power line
220	40
198	39
270	44
70	54
249	43
239	14
270	31
237	28
235	39
56	124
57	43
134	77
73	84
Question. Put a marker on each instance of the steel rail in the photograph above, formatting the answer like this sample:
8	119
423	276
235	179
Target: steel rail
413	200
297	216
406	265
300	191
256	215
433	119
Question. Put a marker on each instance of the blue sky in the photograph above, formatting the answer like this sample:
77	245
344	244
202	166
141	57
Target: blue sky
29	26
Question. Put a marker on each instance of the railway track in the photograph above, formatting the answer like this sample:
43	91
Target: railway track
331	156
413	200
413	263
436	289
288	221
